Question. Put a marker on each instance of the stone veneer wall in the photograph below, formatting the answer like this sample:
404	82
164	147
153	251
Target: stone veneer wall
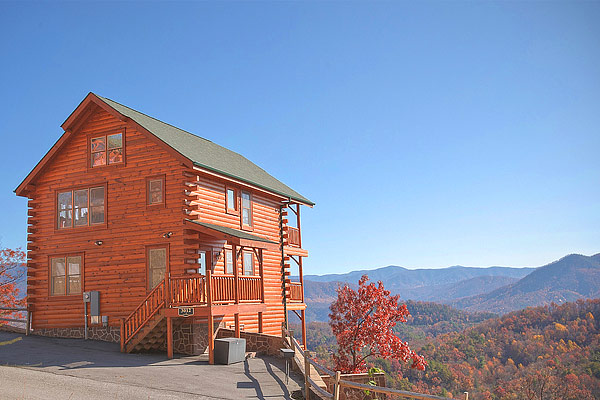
191	339
356	394
258	342
106	334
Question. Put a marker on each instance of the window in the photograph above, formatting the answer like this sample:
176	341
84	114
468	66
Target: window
246	210
231	202
65	275
248	264
82	207
156	190
229	261
107	149
157	266
202	262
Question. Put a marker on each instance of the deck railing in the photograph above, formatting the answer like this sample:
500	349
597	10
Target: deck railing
222	289
250	288
152	304
187	290
295	291
293	236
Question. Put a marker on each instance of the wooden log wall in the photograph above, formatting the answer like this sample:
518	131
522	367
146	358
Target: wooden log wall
117	268
209	193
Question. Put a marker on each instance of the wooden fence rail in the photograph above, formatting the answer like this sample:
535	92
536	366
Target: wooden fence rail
26	321
339	383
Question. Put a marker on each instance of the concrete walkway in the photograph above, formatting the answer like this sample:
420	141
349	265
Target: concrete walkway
34	367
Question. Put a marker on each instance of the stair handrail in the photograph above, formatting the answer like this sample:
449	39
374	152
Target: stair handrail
155	300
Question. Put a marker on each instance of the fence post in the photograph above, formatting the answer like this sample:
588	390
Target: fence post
28	322
466	395
336	387
306	375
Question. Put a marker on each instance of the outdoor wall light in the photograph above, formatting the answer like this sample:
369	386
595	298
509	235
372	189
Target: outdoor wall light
98	242
167	235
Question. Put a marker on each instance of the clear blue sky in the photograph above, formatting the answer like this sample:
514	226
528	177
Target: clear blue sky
429	134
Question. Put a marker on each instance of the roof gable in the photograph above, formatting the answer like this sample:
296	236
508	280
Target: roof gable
201	152
206	154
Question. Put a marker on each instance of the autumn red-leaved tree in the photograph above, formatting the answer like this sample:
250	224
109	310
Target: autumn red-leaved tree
363	321
12	269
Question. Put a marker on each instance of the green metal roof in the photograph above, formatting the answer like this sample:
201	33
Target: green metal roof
209	155
232	232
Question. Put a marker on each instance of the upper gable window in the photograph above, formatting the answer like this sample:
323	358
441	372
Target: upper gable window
82	207
246	210
106	150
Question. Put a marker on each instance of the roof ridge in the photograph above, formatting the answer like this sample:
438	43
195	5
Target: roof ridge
156	119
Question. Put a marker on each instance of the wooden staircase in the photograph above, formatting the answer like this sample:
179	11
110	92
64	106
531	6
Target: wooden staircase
152	336
145	328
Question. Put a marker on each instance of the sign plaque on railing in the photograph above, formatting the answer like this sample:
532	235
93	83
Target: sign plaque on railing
185	311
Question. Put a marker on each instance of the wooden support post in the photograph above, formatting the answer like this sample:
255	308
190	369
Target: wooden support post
236	273
301	275
303	314
122	335
466	395
169	337
306	375
236	319
211	333
298	225
336	387
262	276
260	322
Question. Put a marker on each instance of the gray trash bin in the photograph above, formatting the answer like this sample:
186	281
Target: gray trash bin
230	350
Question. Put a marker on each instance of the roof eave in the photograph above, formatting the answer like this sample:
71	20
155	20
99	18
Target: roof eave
278	193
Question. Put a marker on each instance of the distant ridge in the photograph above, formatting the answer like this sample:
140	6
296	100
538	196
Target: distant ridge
570	278
495	289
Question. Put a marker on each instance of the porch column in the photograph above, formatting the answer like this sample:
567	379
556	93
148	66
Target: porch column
211	334
262	275
236	281
236	318
169	337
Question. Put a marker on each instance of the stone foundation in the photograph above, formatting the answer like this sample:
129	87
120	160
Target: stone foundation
260	343
106	334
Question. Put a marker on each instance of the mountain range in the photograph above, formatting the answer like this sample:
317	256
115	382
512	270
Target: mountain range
494	289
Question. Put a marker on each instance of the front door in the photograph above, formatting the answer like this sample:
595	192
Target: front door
158	264
204	260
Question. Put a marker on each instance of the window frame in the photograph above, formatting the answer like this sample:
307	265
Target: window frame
89	226
106	134
237	197
244	252
163	203
81	275
167	266
246	227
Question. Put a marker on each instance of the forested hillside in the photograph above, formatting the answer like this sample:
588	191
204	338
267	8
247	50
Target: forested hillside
554	349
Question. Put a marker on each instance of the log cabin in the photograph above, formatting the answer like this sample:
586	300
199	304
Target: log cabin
176	236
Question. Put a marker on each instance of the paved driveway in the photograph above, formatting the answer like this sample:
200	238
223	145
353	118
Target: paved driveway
34	367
